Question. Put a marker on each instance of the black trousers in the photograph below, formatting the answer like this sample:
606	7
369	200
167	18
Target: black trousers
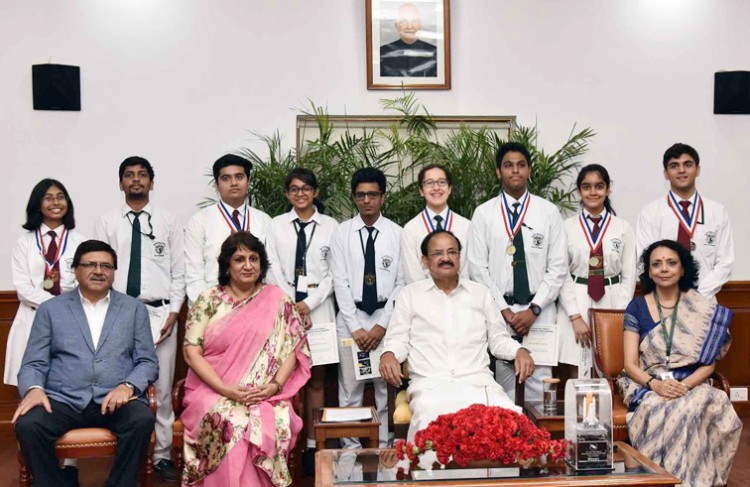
37	431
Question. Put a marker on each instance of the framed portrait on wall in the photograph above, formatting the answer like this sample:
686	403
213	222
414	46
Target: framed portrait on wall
408	44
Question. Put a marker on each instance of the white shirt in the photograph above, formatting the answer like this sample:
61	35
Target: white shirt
544	246
282	251
414	233
95	314
348	266
714	248
162	257
618	249
204	234
446	336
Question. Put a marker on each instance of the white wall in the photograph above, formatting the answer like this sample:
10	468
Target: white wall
180	82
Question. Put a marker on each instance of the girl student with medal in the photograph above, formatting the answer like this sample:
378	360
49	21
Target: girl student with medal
299	243
672	338
602	260
41	263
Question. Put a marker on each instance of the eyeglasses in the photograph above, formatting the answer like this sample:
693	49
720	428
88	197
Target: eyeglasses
90	266
436	254
431	183
51	198
295	190
359	196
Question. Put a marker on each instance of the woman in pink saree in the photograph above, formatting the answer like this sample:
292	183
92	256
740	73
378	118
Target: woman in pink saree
248	356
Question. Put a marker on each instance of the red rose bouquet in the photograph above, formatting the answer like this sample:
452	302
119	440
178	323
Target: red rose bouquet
483	433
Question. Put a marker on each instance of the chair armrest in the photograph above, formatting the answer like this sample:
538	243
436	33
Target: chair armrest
178	392
152	398
721	382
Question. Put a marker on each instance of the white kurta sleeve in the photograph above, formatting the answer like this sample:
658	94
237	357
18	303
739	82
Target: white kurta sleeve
711	283
397	338
195	241
629	272
341	284
501	344
478	255
557	263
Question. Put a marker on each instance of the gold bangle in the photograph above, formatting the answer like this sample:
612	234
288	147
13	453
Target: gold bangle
278	386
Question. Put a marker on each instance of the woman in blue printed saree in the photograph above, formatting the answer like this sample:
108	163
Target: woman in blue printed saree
673	337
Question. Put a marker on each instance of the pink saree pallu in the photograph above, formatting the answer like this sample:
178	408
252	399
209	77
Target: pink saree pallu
231	444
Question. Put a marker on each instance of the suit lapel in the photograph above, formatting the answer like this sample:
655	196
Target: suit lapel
111	317
76	309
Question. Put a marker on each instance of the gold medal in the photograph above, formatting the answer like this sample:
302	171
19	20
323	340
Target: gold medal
594	261
511	250
48	283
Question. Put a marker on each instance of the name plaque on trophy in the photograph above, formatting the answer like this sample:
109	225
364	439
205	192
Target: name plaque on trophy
588	424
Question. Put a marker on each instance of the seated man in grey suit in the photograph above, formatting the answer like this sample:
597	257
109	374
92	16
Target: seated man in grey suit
88	363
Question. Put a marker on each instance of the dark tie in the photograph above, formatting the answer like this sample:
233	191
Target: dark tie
299	259
682	236
134	270
236	218
439	220
596	265
369	281
55	270
521	292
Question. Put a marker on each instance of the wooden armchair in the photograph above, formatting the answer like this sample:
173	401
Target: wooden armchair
178	393
609	361
96	442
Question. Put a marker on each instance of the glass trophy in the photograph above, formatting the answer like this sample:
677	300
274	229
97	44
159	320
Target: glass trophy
588	424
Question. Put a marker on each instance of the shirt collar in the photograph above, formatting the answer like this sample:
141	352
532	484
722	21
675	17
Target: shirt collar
432	214
587	214
679	198
85	300
359	223
231	208
126	209
512	200
291	216
431	285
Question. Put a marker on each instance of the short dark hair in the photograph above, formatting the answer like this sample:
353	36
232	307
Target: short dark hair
605	177
689	280
303	174
448	175
426	241
679	149
231	160
93	246
136	161
233	243
512	147
34	217
368	175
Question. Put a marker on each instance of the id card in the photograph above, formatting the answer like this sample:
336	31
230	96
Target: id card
301	284
666	375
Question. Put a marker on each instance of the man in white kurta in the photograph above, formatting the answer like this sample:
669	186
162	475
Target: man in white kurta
707	224
443	326
207	229
493	256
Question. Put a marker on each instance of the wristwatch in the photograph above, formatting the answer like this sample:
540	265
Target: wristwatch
536	309
129	386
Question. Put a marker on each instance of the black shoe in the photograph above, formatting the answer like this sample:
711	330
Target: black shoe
70	474
166	470
308	462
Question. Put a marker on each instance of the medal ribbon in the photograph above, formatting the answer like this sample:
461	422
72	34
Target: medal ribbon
430	227
691	223
60	249
667	337
507	215
230	222
595	243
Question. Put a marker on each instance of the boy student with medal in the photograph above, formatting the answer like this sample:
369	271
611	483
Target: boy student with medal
208	228
602	266
367	278
700	225
149	241
517	248
435	185
41	263
299	244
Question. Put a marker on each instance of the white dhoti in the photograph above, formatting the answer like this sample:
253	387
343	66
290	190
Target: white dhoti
429	398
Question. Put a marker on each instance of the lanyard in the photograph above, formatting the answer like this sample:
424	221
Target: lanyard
688	224
244	225
510	228
60	248
595	243
362	243
428	221
309	241
667	337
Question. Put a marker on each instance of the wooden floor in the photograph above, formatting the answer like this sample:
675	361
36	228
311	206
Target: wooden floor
93	472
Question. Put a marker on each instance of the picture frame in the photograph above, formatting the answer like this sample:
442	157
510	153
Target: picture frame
408	44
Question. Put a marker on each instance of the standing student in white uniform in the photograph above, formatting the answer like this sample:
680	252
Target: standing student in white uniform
444	326
208	228
700	225
41	263
602	264
367	277
149	241
435	186
299	245
517	249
